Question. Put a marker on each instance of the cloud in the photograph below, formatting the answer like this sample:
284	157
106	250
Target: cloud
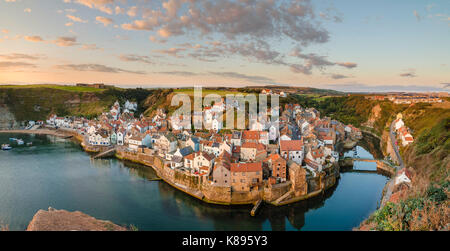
76	19
250	29
34	38
95	68
133	11
171	52
104	20
27	10
66	41
255	79
313	61
5	31
416	14
250	19
101	5
119	10
338	76
156	40
135	58
347	65
90	47
9	65
411	73
179	73
445	85
15	56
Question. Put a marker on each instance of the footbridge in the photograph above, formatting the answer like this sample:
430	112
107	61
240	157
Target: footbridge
382	165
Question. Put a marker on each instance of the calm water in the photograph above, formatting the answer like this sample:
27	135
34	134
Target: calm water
57	173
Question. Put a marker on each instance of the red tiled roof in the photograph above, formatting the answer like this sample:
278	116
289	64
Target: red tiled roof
274	157
410	139
291	145
258	146
246	167
407	173
251	135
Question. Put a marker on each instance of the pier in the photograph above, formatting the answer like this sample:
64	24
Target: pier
256	207
107	153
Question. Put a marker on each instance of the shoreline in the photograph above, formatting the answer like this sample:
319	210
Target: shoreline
56	133
65	133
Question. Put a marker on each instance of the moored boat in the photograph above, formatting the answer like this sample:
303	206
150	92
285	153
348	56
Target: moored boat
6	147
20	142
29	143
12	139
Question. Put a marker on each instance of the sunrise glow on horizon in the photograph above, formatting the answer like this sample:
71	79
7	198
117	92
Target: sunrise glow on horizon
343	45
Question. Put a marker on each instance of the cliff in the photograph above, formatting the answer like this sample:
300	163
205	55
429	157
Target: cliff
61	220
19	104
425	205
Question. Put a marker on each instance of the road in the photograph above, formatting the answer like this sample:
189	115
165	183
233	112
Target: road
394	146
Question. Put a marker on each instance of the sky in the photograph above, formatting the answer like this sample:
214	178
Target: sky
348	45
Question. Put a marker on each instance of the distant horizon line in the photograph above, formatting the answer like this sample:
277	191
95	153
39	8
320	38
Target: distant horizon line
325	87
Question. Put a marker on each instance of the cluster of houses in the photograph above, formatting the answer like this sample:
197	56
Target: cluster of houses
240	159
270	92
403	133
410	98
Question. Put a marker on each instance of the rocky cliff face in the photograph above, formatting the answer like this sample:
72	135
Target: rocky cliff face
7	119
61	220
23	104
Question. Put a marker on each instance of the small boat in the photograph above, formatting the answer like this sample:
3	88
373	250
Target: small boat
6	147
29	143
20	142
12	139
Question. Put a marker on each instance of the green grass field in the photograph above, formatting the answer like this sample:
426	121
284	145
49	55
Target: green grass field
317	97
57	87
206	92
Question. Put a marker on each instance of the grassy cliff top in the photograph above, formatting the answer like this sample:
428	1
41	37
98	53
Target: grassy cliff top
70	88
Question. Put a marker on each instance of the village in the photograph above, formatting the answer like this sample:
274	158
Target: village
402	132
410	98
290	159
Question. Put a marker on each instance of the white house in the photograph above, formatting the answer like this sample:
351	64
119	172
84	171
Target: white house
304	125
99	140
292	150
59	121
264	138
399	124
120	137
403	176
225	147
135	142
216	124
273	133
131	106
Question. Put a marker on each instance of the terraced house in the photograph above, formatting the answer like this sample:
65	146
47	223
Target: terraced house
245	176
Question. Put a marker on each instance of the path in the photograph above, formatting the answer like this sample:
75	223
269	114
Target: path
394	146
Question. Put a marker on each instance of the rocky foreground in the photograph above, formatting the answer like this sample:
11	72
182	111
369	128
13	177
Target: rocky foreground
61	220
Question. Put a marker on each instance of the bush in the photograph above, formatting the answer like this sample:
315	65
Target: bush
436	194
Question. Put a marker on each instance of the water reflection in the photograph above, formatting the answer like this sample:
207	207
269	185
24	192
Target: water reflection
57	173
